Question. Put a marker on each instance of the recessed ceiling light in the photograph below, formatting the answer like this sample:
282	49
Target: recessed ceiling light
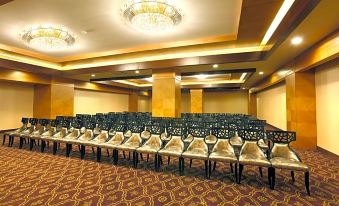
93	75
84	32
201	76
297	40
137	71
261	73
215	65
243	88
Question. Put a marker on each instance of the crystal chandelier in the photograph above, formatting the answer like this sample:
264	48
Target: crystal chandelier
151	15
47	37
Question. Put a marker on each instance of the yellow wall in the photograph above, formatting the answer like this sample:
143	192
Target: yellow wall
185	102
226	102
327	100
144	104
91	102
271	106
16	101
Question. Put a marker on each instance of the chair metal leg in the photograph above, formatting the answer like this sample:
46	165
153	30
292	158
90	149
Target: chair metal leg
141	157
272	178
231	165
155	162
191	163
67	149
307	182
55	147
147	157
123	153
21	143
93	150
3	139
241	167
31	142
269	176
43	145
206	169
214	165
209	169
182	162
107	150
260	171
292	175
83	151
9	140
168	160
115	156
98	154
236	172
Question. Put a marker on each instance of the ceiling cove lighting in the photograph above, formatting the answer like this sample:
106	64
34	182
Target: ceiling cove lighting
261	73
277	20
243	76
296	40
215	66
201	76
151	15
47	37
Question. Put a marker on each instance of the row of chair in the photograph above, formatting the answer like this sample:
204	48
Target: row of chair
208	141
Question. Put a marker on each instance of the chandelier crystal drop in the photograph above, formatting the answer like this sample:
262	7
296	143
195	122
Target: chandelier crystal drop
151	15
47	37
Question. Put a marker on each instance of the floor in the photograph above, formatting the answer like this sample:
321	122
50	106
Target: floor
34	178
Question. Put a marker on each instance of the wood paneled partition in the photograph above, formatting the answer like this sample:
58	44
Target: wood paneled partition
196	100
301	108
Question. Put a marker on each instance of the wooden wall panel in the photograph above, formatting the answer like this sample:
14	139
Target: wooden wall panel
133	102
301	108
42	101
252	104
196	100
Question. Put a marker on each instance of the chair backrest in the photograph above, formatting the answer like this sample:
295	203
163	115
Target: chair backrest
251	135
176	131
157	129
106	126
281	136
24	120
89	125
33	121
198	131
135	128
223	133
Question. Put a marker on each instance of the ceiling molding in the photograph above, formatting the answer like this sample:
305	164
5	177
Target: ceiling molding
3	2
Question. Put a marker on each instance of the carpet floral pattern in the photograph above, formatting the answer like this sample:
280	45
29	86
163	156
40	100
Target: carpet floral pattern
34	178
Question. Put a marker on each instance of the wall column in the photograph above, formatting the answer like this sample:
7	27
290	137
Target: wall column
301	108
55	99
166	94
133	102
196	100
252	104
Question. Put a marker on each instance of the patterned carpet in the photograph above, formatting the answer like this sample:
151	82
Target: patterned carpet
34	178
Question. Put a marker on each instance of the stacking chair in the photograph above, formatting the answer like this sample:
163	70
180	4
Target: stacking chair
62	130
133	141
236	141
73	135
152	145
100	138
197	148
39	130
116	137
51	130
11	134
251	153
24	134
223	150
175	146
282	156
85	138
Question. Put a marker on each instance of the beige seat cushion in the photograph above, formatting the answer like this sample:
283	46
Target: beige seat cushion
262	144
211	139
131	144
290	164
115	141
196	150
251	154
174	147
152	145
99	140
223	151
236	141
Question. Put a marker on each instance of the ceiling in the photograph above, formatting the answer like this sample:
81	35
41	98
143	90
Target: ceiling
227	33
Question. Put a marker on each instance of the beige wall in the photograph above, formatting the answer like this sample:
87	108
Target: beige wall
225	102
185	102
327	100
271	106
16	101
144	104
91	102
